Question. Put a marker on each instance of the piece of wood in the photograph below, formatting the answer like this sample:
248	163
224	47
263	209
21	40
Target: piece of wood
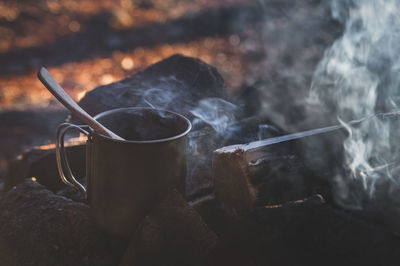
232	180
240	173
270	171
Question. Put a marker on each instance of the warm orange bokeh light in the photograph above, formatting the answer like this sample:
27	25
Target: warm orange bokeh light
62	18
77	78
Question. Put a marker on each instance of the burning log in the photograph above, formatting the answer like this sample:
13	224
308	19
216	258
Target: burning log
259	173
232	180
273	170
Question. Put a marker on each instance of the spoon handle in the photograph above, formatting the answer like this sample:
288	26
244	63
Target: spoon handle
51	84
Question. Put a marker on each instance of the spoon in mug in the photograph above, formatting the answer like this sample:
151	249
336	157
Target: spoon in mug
51	84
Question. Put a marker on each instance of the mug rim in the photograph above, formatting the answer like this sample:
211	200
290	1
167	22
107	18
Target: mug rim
115	110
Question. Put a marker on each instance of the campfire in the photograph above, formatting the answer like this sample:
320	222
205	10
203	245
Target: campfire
298	166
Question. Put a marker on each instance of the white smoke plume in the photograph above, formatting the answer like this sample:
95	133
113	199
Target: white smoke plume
359	76
216	112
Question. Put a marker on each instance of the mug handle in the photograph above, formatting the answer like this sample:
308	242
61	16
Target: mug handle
62	162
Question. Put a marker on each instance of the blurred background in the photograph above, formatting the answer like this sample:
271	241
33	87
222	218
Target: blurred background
88	43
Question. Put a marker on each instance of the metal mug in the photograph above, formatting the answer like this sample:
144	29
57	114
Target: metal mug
125	179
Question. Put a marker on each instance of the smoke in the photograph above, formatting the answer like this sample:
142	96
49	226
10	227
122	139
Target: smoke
267	131
216	112
166	93
359	77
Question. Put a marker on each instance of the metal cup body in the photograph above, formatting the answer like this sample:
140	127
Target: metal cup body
126	179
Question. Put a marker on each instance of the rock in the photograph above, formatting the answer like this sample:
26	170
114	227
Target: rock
176	83
38	227
25	128
172	234
41	164
217	217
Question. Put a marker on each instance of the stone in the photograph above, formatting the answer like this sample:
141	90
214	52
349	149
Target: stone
38	227
216	216
176	83
41	164
307	232
21	129
172	234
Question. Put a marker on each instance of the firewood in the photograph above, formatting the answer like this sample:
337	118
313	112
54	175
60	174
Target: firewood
269	171
232	180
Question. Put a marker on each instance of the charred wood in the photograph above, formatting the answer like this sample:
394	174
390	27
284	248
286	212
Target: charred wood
257	173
